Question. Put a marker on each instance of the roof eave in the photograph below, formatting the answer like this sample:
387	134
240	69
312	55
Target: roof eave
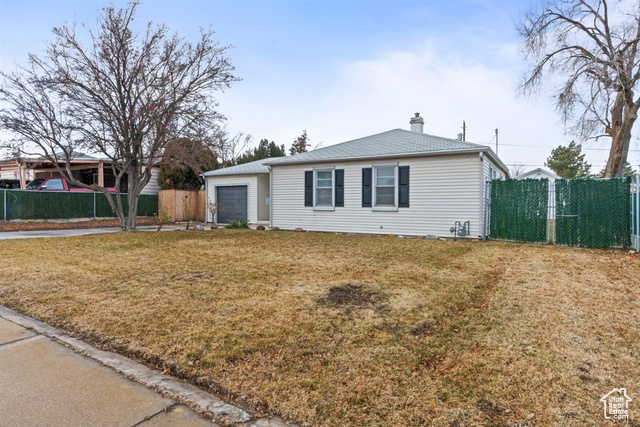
497	160
387	156
207	174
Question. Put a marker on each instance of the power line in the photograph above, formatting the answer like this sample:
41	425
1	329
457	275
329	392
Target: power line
543	165
546	146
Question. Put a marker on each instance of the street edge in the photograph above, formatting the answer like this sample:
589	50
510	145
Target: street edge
187	394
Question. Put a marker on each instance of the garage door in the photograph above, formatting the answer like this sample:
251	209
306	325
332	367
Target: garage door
233	202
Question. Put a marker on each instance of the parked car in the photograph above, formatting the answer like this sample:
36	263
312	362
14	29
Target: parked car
9	184
57	184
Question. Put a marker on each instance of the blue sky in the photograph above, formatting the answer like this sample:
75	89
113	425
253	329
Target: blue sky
351	68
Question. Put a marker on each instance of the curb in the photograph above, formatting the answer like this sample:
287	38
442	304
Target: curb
185	393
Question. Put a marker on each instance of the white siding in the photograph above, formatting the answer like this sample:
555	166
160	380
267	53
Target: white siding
9	174
442	190
540	175
152	186
251	181
263	194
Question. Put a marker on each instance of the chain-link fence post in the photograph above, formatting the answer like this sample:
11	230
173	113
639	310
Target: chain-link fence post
637	212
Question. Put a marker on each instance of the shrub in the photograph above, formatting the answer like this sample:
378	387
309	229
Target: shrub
162	217
238	223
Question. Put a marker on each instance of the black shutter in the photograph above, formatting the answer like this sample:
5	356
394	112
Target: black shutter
308	188
339	188
366	187
403	187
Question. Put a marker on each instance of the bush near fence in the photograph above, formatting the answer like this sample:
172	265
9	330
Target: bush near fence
40	205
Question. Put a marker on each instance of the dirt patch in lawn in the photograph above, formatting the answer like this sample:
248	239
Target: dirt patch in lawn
196	275
338	330
351	295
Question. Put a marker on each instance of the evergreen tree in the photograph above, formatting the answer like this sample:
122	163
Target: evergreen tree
182	163
300	144
568	162
265	149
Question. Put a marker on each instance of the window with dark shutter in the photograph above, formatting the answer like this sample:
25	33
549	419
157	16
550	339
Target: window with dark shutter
308	188
366	187
403	187
339	199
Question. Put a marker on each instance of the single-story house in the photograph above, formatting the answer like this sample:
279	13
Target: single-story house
396	182
539	173
87	169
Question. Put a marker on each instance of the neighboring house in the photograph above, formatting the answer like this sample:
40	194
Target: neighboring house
539	173
241	191
396	182
87	169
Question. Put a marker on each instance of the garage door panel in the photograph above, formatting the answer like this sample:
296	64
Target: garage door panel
233	202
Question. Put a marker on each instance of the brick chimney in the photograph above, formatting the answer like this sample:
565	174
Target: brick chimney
417	124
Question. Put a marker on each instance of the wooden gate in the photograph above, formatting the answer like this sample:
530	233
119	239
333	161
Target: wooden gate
182	205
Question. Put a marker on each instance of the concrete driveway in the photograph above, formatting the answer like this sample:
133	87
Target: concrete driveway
74	232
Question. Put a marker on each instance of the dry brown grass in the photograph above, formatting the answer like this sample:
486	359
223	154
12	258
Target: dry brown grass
336	330
69	224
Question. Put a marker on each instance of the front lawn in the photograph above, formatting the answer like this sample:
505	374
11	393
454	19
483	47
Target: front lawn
337	330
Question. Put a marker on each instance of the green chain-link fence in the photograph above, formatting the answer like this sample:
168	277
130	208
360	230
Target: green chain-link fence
33	205
593	213
519	210
635	213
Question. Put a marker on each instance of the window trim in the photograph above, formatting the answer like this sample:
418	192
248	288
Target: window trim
374	186
493	173
333	188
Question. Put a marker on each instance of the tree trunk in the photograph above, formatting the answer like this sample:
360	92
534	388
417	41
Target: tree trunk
132	198
622	121
133	194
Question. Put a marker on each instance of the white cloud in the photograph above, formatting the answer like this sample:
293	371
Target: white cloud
382	93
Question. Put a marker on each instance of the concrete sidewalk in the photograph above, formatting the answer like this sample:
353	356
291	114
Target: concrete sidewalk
72	232
48	378
45	384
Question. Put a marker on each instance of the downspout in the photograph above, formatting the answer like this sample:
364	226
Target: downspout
270	197
206	198
483	199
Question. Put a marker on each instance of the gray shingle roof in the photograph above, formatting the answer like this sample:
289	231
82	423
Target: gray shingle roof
392	143
243	169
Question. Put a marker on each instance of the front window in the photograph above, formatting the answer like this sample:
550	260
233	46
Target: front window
385	186
323	188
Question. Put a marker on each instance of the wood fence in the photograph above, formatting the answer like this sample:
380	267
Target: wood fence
182	205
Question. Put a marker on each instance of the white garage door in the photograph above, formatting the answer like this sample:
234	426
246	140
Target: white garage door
232	203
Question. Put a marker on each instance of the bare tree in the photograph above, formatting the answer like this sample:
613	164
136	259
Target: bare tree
125	95
593	46
229	148
517	169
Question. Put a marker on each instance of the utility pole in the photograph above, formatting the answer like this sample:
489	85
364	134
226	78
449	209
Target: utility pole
496	141
464	131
